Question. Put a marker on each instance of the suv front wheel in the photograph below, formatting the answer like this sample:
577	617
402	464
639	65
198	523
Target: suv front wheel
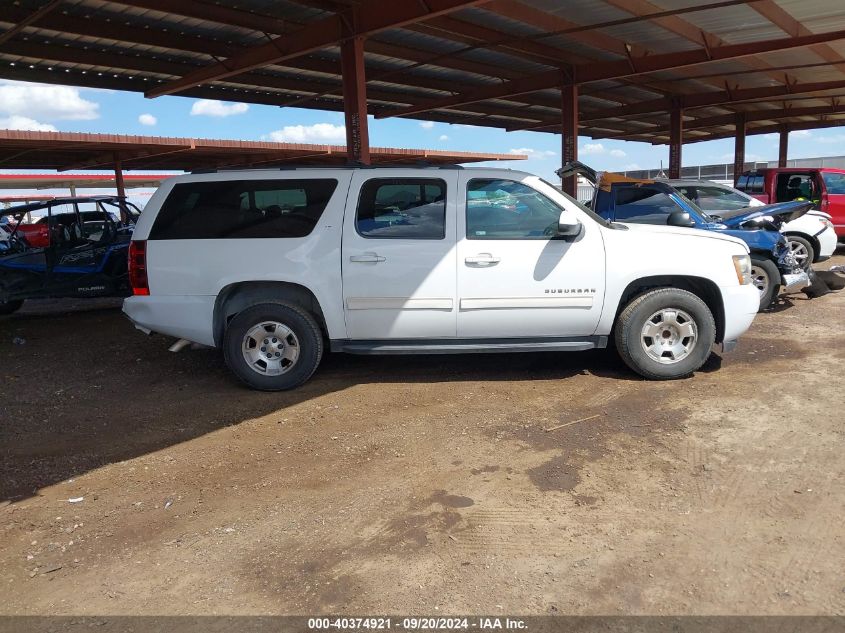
273	346
665	333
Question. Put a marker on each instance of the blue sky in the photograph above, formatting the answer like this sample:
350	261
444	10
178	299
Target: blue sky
65	108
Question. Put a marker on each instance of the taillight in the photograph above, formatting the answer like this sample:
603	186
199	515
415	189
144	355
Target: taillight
138	267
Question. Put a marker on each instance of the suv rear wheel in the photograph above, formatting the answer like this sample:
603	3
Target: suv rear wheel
273	346
665	333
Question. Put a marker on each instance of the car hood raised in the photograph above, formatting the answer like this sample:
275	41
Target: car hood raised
785	211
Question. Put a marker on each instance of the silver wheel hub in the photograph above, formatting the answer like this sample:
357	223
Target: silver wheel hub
669	336
270	348
799	253
760	279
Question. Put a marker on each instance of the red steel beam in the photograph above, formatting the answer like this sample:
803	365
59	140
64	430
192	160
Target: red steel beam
630	67
783	145
676	141
750	116
355	101
739	145
569	134
29	20
366	18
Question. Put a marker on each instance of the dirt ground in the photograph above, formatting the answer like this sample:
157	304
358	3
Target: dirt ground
420	485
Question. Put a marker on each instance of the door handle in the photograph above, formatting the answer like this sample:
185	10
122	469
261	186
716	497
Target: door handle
367	258
482	259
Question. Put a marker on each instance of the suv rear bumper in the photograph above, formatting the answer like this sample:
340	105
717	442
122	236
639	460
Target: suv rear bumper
190	318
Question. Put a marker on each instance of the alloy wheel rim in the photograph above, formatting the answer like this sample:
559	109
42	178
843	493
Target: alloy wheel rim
669	335
270	348
800	253
760	279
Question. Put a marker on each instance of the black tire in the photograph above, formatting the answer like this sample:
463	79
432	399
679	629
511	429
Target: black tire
630	338
307	336
7	307
760	268
809	252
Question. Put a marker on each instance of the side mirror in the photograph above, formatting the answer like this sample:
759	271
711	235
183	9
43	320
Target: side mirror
568	225
680	218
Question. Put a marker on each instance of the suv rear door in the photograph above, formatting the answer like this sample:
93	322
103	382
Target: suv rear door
398	254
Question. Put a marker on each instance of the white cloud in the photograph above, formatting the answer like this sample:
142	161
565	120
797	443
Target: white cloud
213	107
631	167
617	153
443	137
319	132
17	122
590	149
147	119
800	133
539	154
43	102
426	125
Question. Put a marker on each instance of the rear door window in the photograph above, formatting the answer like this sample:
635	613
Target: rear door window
402	208
236	209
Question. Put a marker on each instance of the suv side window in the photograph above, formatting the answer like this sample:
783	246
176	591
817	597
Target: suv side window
509	210
643	205
238	209
402	208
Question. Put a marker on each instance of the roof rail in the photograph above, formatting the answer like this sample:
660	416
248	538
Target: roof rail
420	164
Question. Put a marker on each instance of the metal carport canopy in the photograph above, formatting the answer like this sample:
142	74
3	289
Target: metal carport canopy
626	65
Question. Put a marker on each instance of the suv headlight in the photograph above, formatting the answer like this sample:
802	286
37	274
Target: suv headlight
742	265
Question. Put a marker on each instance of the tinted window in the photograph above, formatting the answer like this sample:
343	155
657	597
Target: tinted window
833	182
509	210
742	183
643	205
402	208
243	209
755	184
718	199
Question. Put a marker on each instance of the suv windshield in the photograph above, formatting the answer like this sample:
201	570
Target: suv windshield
833	182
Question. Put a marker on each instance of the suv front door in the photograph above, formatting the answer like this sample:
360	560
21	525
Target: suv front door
515	278
399	255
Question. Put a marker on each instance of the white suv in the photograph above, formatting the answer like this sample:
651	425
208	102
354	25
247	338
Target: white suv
273	265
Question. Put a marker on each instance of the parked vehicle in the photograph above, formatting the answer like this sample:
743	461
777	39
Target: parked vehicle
811	236
823	186
621	199
85	254
266	264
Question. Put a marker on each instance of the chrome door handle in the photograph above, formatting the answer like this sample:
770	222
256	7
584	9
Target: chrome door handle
482	259
367	258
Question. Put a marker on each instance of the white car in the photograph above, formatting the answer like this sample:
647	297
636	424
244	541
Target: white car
812	237
271	264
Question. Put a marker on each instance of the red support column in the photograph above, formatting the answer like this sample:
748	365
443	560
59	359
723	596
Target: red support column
355	100
739	146
118	176
676	140
569	134
783	148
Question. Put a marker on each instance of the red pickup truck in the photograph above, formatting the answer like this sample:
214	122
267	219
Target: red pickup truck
823	185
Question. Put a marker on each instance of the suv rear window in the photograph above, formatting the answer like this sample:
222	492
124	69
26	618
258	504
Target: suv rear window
238	209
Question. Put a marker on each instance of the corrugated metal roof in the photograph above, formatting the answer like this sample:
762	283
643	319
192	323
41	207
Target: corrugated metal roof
139	44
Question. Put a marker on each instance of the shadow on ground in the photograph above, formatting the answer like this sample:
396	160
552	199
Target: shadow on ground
81	388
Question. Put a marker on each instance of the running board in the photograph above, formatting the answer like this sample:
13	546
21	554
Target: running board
469	346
